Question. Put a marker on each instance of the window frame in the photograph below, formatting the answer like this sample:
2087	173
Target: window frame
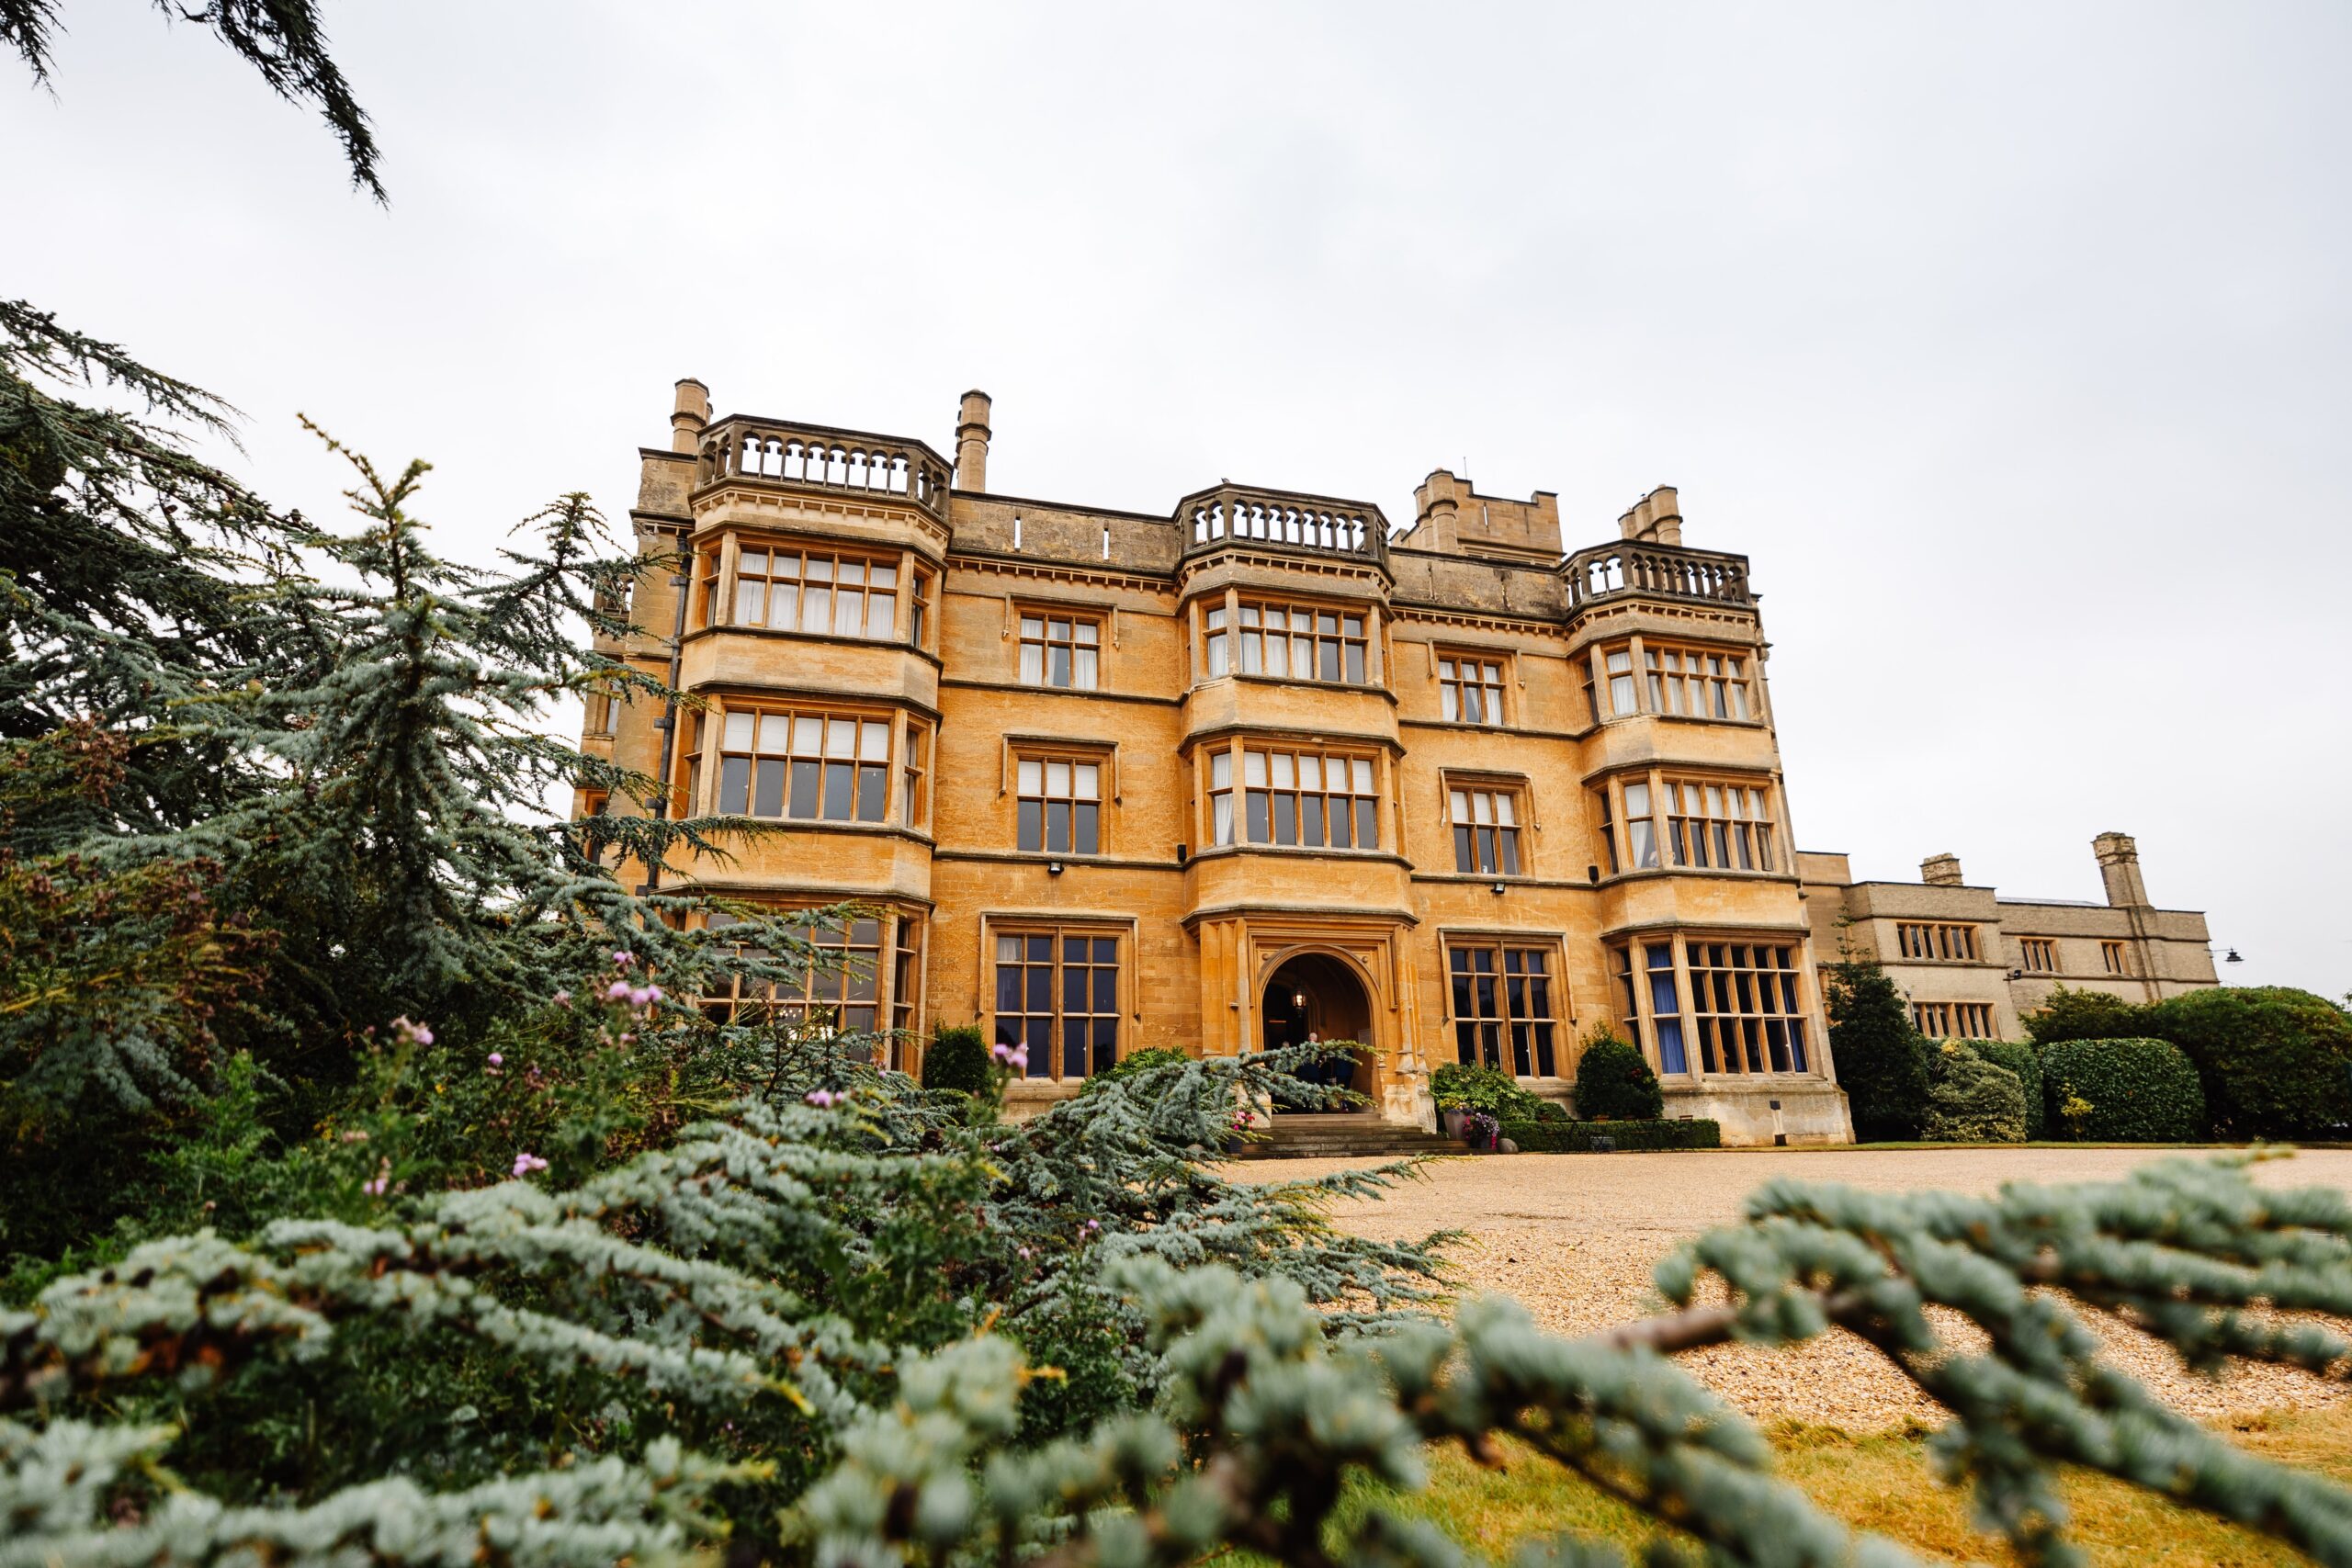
1938	942
723	748
1955	1021
1045	617
1054	1017
1515	1029
1494	847
2038	954
890	980
1703	840
2115	957
1045	759
1629	677
1455	692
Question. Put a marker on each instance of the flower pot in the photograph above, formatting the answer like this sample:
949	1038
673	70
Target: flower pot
1451	1121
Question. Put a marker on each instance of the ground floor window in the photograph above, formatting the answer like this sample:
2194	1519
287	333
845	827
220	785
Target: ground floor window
846	989
1058	995
1954	1020
1738	1006
1502	997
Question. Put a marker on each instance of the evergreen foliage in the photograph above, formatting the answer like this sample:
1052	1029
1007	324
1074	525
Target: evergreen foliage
2069	1014
2274	1062
1882	1062
2020	1057
2122	1091
1614	1083
957	1059
1970	1100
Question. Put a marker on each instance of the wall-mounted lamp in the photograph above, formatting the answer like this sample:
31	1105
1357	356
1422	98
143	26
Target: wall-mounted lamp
1298	1001
1592	874
2017	974
1053	867
2233	957
1497	887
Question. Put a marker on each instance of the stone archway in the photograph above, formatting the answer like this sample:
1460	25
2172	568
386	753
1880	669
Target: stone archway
1316	995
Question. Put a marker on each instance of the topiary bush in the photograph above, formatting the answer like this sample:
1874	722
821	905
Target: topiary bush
2122	1091
1458	1085
1970	1099
1615	1084
958	1059
2022	1059
2271	1059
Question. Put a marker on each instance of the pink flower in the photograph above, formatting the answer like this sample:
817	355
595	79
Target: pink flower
526	1162
652	994
1021	1251
376	1189
623	959
563	998
822	1098
617	991
413	1033
497	1059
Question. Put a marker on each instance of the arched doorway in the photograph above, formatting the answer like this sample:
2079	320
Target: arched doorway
1316	996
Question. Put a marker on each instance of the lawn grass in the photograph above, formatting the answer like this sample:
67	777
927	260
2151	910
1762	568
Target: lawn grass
1880	1483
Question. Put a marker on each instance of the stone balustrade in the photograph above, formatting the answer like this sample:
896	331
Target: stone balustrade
814	457
1312	524
1659	571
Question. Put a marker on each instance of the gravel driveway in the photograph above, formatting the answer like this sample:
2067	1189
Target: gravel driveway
1575	1236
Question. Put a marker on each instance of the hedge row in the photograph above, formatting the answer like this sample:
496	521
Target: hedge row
1576	1137
2022	1059
2122	1091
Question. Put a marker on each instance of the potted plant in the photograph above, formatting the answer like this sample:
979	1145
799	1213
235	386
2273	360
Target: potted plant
1481	1131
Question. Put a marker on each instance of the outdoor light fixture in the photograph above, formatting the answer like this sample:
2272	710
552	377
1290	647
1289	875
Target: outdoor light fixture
2017	974
1298	1001
1498	887
1053	867
2233	957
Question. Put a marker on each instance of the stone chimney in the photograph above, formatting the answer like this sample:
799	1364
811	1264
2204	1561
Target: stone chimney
688	415
2119	867
1656	519
1941	871
972	442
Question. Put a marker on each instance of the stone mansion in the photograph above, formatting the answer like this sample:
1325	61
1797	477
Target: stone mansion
1257	769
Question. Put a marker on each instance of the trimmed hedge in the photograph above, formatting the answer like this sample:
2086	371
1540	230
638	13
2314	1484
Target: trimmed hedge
2022	1059
2271	1059
1576	1138
1614	1081
958	1059
2122	1091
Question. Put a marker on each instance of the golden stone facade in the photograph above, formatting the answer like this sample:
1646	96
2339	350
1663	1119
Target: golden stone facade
1235	775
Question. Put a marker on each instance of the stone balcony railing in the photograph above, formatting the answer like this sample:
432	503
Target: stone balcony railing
1656	571
816	457
1306	524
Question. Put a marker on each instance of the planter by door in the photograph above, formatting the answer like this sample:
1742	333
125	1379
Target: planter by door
1451	1121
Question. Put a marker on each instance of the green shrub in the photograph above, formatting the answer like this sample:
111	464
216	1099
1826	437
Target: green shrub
1615	1084
2271	1059
1881	1060
2026	1061
2122	1091
2085	1015
1970	1099
1459	1087
1576	1138
958	1059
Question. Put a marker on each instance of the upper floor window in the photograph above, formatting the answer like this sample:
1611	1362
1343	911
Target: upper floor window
1057	998
914	787
1302	644
1953	944
1502	995
1060	806
1486	831
1700	686
1953	1020
804	591
1641	828
2041	955
919	610
1059	650
1618	663
814	766
2113	958
1726	827
1307	799
1470	689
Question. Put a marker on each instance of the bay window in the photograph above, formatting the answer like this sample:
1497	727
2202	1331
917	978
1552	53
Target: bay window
1301	643
1725	826
810	766
1739	1002
814	591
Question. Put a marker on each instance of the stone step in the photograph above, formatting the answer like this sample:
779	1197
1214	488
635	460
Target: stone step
1342	1136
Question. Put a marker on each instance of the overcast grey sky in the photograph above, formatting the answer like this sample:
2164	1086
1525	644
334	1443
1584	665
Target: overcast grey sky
2010	342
